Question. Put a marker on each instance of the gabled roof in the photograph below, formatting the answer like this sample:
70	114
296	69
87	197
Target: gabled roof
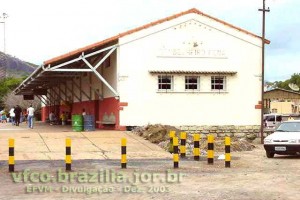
279	93
116	37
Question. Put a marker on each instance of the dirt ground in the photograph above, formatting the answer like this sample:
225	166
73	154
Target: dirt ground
251	176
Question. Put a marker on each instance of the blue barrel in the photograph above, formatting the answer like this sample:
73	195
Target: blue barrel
89	122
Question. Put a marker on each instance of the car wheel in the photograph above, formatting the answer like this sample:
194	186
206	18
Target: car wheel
270	154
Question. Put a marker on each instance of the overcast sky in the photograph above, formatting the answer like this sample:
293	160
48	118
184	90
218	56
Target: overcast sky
38	30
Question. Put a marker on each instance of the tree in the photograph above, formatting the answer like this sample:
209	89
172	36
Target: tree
12	100
8	99
6	86
295	78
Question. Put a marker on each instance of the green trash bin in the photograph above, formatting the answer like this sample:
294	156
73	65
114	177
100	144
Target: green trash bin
77	123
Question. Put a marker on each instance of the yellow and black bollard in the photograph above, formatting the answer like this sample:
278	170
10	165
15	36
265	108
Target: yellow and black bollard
11	155
68	155
123	153
175	153
210	149
227	152
196	146
172	135
182	144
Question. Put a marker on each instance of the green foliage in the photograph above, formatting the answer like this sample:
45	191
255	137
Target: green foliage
295	78
7	85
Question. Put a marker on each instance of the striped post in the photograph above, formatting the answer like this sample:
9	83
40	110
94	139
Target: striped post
172	135
175	154
11	155
197	146
210	149
182	144
123	153
68	154
227	152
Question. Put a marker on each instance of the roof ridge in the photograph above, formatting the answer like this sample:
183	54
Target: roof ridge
145	26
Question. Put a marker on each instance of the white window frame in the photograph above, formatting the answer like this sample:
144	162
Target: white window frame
159	78
189	84
213	84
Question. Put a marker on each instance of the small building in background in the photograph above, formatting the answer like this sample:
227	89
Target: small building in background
281	101
285	107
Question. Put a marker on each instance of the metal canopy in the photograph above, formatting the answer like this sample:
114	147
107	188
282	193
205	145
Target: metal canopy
52	76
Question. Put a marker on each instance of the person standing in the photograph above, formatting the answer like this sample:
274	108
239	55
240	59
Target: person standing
12	115
3	116
17	112
30	112
52	118
25	115
290	118
63	118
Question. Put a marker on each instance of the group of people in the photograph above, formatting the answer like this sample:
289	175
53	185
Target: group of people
63	118
3	116
16	115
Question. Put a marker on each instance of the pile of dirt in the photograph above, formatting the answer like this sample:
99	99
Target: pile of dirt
159	134
155	133
236	144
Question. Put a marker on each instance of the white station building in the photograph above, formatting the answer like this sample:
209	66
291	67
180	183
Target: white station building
186	69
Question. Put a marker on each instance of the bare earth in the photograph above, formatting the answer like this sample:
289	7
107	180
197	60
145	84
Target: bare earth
251	176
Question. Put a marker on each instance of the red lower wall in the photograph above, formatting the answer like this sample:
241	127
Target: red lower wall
98	108
108	106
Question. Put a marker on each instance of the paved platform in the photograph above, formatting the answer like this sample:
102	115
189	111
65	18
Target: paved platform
45	142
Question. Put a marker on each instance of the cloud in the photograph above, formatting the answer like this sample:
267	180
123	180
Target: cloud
281	67
285	40
39	30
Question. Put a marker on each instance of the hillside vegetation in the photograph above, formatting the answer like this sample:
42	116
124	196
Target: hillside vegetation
295	79
12	72
14	67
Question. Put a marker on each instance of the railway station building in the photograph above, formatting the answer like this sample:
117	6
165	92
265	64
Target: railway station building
186	69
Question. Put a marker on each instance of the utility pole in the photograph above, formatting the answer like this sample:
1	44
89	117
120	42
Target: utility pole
264	10
4	16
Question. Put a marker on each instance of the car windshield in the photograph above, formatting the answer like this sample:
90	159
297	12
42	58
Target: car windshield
289	127
271	118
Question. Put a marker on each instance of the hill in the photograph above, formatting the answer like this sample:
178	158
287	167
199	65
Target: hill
14	67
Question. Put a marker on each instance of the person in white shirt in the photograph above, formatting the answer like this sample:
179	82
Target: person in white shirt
52	118
30	112
12	115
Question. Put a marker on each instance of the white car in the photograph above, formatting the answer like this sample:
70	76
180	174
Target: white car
272	120
285	140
